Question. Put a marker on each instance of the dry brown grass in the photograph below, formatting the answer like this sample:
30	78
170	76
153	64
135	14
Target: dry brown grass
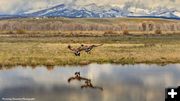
23	33
125	32
158	31
20	31
58	54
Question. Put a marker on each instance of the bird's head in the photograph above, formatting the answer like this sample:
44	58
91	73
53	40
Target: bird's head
69	46
77	53
77	73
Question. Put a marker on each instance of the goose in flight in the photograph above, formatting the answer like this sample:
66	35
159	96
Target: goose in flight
88	49
75	51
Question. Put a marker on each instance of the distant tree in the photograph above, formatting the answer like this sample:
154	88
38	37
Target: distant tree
150	27
172	27
144	26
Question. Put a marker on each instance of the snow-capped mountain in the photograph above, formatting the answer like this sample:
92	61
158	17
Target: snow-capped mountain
106	11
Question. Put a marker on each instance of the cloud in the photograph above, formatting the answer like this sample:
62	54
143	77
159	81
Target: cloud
16	6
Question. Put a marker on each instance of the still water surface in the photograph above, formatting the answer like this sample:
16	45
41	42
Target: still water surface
120	83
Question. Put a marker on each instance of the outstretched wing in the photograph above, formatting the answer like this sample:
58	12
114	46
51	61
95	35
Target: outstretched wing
75	51
100	88
81	78
71	78
70	48
97	45
83	86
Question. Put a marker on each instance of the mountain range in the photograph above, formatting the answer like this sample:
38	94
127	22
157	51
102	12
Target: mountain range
95	11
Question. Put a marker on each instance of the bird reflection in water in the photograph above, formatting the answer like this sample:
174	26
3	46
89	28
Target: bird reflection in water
76	77
88	83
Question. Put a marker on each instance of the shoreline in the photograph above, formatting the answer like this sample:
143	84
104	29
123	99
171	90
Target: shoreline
65	65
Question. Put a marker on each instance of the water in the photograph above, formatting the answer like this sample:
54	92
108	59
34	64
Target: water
119	83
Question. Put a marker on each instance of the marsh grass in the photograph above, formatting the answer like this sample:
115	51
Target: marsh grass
26	33
22	47
91	38
36	53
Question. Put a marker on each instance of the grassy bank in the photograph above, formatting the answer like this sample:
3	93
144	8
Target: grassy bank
121	49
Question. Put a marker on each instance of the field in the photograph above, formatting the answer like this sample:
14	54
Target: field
41	47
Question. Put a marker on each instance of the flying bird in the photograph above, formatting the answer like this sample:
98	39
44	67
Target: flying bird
75	51
88	49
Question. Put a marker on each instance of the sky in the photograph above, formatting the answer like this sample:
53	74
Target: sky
15	6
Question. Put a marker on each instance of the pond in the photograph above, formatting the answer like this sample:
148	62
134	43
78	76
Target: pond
139	82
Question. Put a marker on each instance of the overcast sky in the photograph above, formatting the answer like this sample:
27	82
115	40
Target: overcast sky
14	6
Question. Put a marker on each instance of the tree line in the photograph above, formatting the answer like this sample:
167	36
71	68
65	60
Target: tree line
62	26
